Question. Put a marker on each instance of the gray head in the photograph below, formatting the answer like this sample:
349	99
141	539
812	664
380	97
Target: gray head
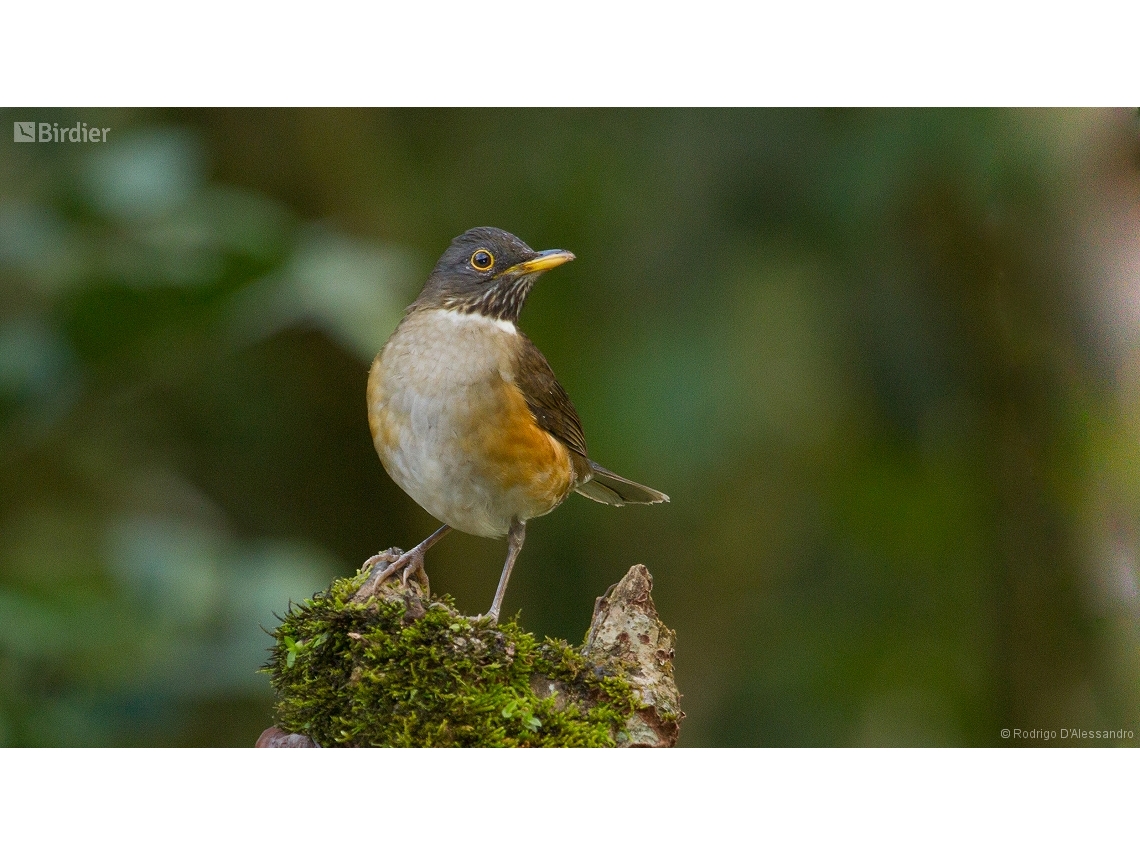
487	271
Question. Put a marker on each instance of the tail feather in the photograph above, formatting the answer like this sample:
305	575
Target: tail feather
610	488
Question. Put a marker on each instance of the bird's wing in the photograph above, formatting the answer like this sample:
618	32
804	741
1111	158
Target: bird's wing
555	414
546	398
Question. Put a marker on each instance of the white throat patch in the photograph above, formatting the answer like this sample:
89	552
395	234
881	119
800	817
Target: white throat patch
463	318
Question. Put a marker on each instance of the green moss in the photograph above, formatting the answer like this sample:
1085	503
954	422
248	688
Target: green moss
397	671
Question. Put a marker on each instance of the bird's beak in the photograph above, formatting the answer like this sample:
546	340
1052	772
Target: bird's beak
545	260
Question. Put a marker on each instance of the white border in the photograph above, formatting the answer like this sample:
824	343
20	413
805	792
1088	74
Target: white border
495	53
574	801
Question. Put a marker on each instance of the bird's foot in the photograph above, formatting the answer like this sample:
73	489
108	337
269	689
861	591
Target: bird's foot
386	558
387	564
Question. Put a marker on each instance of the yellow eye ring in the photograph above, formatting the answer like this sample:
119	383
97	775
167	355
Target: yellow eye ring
482	260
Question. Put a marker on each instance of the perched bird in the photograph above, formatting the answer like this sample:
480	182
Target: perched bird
466	414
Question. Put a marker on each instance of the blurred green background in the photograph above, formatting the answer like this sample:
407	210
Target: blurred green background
886	364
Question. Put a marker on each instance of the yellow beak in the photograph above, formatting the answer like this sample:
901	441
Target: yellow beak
543	261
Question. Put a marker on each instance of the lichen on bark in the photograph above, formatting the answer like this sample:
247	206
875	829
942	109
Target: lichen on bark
403	669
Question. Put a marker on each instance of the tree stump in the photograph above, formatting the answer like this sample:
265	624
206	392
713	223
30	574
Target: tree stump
386	665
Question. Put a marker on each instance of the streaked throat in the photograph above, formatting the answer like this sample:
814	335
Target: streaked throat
502	301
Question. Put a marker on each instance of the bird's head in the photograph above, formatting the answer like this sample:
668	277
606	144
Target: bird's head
487	271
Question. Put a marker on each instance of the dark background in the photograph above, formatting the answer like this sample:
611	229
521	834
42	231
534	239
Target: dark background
886	364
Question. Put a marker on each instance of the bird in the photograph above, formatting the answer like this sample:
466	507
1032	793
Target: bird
466	414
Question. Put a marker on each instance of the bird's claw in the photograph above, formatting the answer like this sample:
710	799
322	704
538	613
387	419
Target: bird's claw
415	568
387	564
388	556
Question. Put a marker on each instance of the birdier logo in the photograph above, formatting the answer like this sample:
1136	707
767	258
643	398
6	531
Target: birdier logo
52	132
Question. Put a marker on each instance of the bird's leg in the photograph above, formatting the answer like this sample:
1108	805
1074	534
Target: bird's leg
410	563
514	547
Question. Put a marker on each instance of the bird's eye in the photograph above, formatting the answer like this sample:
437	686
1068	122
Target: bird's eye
482	260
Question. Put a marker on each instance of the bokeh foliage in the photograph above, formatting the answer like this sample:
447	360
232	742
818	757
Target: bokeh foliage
884	363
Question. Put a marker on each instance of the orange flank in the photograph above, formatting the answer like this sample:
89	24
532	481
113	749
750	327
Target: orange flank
519	455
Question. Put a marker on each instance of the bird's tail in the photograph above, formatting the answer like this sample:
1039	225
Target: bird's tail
611	489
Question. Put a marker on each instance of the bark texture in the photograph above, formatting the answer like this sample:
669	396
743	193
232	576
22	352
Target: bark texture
626	629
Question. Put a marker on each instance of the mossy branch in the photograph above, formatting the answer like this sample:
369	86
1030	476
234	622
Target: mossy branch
392	667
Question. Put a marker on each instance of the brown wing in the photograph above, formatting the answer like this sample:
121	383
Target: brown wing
547	399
